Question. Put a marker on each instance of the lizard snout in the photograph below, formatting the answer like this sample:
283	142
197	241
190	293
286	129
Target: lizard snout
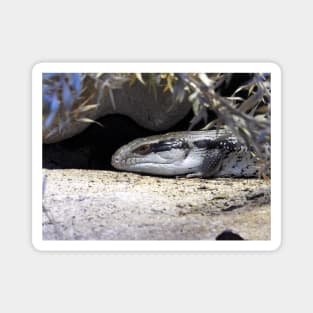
116	161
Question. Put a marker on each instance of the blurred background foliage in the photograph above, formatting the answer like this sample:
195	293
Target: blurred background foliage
67	97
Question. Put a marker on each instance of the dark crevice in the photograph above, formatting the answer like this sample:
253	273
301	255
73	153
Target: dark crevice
93	148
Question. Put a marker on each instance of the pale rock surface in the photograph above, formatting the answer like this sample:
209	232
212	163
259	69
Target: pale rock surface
104	205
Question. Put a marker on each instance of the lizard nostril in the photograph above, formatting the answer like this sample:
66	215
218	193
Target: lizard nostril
115	160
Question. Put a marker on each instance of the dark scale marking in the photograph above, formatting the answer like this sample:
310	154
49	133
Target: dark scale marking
202	143
217	151
168	145
228	146
167	142
212	162
213	144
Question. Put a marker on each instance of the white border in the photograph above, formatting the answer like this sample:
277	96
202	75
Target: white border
156	245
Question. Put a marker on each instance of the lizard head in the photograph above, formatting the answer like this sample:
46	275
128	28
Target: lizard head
159	155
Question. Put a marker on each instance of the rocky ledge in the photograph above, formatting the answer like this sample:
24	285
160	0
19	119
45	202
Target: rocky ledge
105	205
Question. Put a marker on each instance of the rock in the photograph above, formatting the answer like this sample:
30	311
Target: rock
105	205
137	102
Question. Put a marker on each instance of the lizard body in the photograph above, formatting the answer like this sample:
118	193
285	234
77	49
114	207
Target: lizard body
188	153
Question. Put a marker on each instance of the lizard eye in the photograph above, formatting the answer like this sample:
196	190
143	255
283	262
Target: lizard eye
144	149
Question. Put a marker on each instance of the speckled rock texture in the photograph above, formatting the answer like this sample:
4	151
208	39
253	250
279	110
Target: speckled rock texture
105	205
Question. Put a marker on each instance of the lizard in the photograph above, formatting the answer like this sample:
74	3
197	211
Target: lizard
188	153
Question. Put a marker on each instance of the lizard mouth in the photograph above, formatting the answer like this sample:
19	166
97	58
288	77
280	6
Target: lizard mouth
122	164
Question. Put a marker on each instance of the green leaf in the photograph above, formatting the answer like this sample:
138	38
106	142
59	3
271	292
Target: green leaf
206	80
252	101
235	98
112	98
196	106
88	120
87	107
180	95
193	96
139	77
251	89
